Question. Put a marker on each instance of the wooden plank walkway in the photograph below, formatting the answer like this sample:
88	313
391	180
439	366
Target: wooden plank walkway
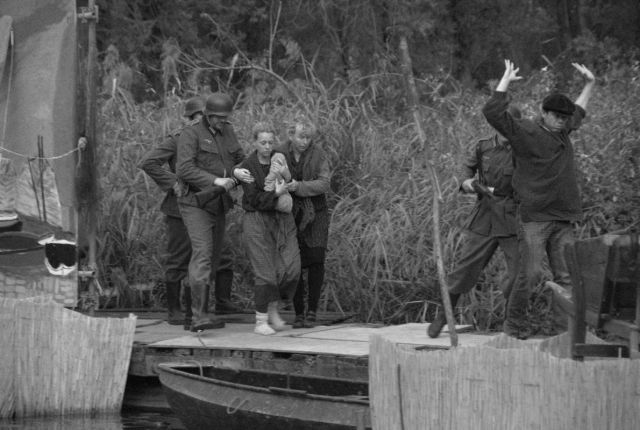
351	340
340	350
156	341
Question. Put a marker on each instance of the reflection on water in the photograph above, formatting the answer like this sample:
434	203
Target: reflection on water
125	421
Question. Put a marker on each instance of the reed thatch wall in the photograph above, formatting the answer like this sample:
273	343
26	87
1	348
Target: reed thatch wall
506	384
56	361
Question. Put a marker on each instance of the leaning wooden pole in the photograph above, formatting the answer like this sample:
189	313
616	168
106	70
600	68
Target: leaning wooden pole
412	97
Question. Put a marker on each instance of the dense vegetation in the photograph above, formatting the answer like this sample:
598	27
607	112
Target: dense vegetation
336	61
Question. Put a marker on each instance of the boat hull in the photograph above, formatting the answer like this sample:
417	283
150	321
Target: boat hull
206	403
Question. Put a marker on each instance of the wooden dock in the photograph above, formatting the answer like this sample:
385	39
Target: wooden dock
336	347
156	341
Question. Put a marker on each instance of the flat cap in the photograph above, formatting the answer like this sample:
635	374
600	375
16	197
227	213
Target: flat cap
558	103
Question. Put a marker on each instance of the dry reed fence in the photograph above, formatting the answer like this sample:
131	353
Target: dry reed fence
503	385
55	361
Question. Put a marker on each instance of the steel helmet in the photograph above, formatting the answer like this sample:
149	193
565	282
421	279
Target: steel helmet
192	106
219	104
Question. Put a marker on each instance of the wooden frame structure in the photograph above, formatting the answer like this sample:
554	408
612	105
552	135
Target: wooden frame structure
605	273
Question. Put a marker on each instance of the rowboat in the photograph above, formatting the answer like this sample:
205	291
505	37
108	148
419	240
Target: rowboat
206	396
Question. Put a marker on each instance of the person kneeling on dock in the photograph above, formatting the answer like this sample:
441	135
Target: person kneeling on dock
269	234
492	222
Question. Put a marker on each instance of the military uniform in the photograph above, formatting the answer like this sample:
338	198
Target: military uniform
492	221
178	251
204	154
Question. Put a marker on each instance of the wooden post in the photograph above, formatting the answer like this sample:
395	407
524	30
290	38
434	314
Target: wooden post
86	186
412	96
578	326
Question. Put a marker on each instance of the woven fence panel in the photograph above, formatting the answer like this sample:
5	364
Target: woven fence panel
513	385
65	362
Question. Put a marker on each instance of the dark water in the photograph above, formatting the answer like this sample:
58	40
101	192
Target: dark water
129	420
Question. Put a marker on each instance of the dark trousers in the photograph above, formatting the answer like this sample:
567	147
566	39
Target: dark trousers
272	248
537	240
206	232
177	261
475	254
312	259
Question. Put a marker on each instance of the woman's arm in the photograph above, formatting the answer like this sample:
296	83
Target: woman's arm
315	187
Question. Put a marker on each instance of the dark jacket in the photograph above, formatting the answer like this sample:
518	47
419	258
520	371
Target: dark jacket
310	210
492	160
544	180
254	197
205	154
155	163
312	172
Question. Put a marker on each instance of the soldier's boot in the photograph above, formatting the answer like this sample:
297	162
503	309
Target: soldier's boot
174	312
186	294
224	282
202	319
441	320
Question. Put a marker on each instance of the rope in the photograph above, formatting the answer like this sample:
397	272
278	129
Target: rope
30	157
233	409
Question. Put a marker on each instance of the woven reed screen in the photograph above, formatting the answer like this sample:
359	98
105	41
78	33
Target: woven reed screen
504	384
55	361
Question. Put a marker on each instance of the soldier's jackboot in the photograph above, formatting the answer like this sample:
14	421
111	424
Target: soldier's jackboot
202	319
441	320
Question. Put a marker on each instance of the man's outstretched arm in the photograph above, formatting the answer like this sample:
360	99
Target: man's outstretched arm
583	98
496	108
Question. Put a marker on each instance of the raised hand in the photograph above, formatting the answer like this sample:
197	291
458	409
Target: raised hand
511	71
510	75
582	69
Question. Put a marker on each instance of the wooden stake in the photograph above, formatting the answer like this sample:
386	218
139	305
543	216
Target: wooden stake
412	96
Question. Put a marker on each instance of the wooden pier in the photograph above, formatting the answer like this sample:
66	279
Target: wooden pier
335	347
156	341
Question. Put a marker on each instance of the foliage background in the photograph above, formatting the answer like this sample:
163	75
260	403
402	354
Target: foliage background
337	62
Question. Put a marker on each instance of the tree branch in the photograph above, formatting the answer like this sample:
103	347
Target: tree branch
412	95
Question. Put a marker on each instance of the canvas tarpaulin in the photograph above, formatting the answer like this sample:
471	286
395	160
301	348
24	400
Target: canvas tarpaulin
37	98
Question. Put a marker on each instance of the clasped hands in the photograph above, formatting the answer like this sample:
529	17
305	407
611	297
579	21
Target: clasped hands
285	187
245	176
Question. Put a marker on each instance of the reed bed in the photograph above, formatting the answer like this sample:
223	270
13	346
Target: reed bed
506	384
62	362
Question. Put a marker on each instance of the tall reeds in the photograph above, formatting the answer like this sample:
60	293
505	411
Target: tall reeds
379	261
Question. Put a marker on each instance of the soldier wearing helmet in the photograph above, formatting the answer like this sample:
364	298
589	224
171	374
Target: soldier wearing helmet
207	153
159	163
